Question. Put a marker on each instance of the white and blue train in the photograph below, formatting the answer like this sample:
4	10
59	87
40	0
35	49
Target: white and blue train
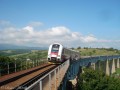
57	53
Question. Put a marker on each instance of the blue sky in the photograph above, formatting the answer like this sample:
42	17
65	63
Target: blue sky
92	23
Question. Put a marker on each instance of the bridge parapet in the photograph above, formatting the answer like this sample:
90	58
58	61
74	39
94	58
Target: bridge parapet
52	80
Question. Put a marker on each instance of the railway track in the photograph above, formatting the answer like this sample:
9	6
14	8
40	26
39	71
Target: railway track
23	79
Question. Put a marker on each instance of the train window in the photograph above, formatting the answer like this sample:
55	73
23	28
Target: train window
55	48
63	51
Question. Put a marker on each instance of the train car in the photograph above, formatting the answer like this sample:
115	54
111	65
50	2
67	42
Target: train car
57	53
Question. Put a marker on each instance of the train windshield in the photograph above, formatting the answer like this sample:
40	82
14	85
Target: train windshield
55	48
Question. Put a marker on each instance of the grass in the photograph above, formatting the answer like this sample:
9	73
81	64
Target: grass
118	70
94	51
33	55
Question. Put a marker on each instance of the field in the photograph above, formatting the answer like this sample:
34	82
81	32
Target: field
97	51
37	54
13	52
22	54
33	55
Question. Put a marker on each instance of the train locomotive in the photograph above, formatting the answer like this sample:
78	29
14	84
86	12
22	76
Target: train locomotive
57	53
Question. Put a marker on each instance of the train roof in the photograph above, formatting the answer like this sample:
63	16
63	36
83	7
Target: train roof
65	47
57	43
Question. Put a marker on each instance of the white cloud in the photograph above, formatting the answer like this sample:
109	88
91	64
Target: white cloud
30	37
35	24
29	30
89	39
58	31
3	22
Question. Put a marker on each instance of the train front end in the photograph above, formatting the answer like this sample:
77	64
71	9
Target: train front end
54	53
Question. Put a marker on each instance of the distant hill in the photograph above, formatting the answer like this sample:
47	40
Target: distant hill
98	51
13	47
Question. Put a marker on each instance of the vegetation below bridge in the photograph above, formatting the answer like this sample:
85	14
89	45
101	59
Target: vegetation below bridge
97	80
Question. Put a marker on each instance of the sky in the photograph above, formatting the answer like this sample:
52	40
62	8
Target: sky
73	23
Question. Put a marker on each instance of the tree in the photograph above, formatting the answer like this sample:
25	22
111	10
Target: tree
4	62
90	53
85	47
79	47
94	51
97	80
72	48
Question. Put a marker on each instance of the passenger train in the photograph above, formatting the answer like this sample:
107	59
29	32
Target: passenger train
57	53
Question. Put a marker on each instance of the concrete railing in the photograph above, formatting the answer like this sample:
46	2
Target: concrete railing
52	80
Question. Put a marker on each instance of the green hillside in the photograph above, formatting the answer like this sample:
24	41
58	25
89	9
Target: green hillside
13	52
33	55
97	51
